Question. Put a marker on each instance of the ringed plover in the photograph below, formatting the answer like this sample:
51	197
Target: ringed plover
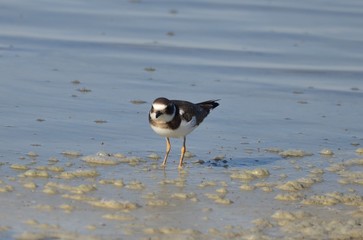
176	119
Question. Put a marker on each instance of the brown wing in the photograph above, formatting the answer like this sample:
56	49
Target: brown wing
200	110
188	108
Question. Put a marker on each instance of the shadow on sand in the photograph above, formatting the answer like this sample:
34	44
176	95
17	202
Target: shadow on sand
242	162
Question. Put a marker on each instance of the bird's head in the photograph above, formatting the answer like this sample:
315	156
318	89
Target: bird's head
162	110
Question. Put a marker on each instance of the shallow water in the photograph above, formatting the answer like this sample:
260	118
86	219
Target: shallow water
288	74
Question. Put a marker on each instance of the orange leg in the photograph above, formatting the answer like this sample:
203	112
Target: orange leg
183	150
168	147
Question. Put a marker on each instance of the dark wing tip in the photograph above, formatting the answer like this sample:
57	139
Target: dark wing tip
211	104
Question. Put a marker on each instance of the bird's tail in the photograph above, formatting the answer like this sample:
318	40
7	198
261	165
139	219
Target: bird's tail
208	105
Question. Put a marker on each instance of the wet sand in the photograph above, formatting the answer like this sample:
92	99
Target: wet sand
280	158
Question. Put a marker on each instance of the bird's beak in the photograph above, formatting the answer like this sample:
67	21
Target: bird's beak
157	114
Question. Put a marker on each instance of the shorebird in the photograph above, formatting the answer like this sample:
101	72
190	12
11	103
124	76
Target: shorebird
176	119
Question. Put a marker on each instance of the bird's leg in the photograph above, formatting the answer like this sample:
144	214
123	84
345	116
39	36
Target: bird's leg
183	149
167	152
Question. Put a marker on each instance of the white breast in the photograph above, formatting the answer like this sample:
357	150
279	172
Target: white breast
184	129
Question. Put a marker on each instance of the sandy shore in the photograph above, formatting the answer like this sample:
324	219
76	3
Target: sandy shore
116	196
280	158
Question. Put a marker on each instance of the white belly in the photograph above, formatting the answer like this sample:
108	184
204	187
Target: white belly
184	129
